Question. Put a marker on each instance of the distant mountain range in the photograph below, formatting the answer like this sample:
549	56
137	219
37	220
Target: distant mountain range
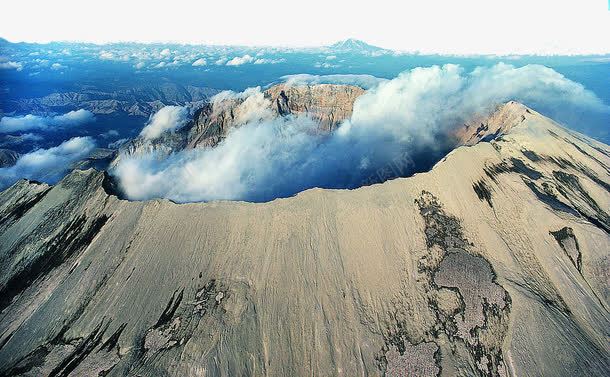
347	45
139	101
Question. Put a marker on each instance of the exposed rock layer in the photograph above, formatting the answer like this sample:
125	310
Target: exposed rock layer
327	104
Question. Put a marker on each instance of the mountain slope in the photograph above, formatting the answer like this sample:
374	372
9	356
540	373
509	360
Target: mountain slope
356	46
136	101
496	262
8	158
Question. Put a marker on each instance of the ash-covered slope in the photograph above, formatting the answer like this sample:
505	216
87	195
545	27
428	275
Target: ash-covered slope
496	262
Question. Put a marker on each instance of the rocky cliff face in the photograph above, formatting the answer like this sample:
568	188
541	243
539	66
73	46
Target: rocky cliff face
327	104
494	263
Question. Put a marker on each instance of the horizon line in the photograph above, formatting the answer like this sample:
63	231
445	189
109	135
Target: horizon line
303	47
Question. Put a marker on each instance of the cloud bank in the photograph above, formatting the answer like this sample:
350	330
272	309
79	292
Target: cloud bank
11	65
199	62
47	165
240	60
398	127
269	61
168	118
34	122
363	81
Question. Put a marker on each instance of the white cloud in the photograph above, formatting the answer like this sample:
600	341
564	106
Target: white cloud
248	59
397	126
167	64
231	95
325	65
73	118
199	62
109	134
116	55
139	65
165	52
57	66
40	63
117	144
269	61
363	81
29	137
106	55
47	165
36	122
168	118
240	60
11	65
424	101
230	171
248	106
